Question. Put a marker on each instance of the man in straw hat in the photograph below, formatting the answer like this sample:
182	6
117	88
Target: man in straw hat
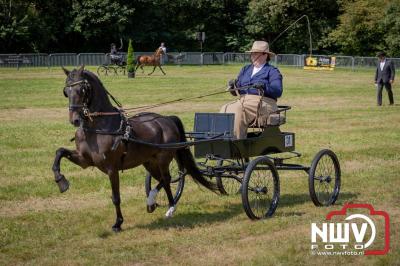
258	87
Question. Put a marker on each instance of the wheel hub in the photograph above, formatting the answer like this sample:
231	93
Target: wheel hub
260	190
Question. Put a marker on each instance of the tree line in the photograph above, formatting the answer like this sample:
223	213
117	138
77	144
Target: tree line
349	27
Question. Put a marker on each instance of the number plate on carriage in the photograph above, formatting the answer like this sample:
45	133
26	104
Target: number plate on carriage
288	140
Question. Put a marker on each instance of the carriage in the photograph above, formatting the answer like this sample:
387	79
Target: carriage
250	166
108	139
116	65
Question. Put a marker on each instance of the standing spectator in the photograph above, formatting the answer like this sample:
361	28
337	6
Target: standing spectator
384	76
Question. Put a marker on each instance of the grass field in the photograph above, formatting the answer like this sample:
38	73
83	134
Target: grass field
40	226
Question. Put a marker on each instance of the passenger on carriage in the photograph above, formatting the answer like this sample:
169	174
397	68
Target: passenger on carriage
115	57
262	84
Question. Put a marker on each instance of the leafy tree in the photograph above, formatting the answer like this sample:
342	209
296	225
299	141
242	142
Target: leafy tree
99	22
391	28
360	31
266	19
14	25
176	22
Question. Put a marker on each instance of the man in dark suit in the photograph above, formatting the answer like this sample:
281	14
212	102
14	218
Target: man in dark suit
384	76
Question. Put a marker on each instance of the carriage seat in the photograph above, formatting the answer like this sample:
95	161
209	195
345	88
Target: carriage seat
272	120
212	125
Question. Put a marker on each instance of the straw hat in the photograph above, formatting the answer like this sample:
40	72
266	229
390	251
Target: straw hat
260	47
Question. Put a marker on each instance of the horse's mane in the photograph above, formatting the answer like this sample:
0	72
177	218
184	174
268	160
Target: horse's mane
92	78
97	85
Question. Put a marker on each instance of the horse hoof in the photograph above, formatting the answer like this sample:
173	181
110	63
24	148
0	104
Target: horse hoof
63	184
170	212
116	229
151	208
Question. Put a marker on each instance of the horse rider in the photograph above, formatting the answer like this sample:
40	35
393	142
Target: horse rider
164	56
262	86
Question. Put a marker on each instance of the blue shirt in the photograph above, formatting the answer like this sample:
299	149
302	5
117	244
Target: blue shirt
268	75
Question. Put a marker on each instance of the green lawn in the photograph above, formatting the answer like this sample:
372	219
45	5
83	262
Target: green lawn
40	226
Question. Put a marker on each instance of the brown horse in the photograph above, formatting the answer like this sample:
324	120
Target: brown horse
106	139
153	60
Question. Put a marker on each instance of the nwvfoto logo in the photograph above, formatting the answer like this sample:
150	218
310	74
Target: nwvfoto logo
338	235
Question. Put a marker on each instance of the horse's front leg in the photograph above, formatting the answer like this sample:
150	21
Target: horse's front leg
116	199
154	68
162	70
137	66
74	157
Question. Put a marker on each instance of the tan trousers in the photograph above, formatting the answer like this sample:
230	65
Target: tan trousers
245	110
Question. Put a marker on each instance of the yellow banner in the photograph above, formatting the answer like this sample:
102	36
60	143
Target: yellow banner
319	62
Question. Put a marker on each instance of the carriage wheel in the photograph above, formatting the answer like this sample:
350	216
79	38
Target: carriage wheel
177	184
260	189
120	71
102	71
324	178
227	185
112	70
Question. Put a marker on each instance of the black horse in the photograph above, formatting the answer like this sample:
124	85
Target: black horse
106	139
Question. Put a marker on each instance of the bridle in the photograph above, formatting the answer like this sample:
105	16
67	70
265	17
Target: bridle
86	91
83	109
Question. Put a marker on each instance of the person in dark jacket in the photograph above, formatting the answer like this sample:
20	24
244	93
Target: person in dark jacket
263	87
384	76
115	57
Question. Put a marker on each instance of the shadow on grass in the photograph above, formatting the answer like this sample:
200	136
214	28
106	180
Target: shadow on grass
289	200
191	219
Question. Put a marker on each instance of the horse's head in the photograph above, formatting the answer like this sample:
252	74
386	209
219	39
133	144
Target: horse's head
78	90
160	51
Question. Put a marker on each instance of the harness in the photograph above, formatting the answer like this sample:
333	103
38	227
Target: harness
124	132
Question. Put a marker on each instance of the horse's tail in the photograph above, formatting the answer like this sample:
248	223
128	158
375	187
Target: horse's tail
185	158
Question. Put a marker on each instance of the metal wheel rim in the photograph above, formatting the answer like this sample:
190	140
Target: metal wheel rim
261	192
324	179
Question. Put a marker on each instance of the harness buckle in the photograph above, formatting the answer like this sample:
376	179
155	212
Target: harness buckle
86	113
127	134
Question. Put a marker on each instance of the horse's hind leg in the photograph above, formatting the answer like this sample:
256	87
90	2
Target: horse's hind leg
74	157
172	206
166	178
162	70
116	199
152	71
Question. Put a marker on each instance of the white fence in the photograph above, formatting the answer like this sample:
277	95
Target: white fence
182	58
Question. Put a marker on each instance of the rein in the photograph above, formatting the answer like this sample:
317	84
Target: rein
124	130
147	107
139	108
